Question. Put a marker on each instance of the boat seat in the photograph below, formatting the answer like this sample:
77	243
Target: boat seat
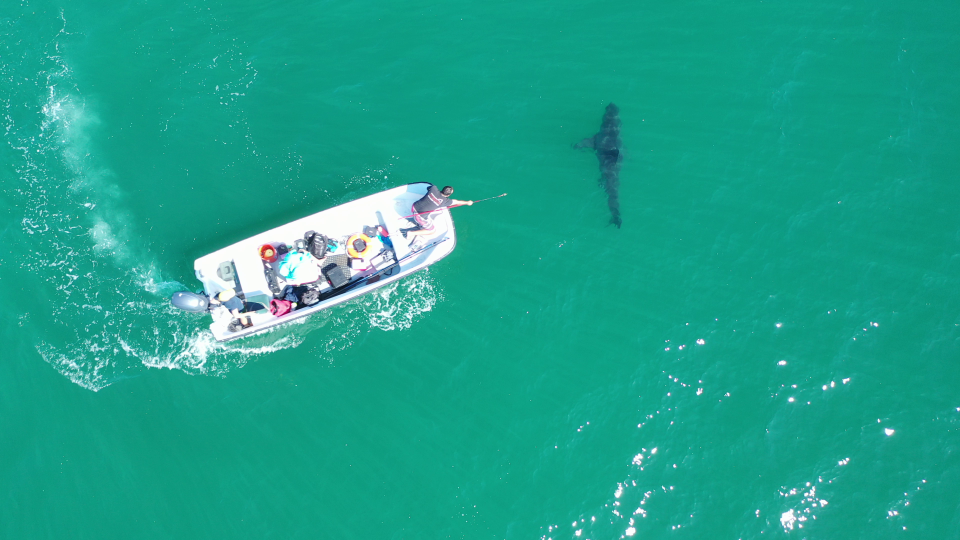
249	268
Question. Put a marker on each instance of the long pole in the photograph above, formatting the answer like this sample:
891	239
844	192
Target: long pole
453	206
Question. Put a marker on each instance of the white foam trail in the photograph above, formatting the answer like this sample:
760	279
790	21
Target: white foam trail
108	302
109	313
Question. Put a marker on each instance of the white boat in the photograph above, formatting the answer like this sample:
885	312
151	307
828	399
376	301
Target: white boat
343	273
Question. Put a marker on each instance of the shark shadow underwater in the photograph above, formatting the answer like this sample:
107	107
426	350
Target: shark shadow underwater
606	143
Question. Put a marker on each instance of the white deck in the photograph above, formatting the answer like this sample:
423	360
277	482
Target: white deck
386	208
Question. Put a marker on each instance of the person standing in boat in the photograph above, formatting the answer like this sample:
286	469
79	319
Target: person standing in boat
423	209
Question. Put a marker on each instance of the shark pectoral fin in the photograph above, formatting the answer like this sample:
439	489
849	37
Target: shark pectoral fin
586	143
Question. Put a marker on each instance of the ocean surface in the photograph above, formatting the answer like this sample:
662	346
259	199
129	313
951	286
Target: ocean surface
768	348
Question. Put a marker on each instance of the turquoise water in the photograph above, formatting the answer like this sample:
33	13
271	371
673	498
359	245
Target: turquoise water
767	348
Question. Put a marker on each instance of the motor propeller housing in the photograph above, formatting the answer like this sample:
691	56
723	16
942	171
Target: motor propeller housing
189	301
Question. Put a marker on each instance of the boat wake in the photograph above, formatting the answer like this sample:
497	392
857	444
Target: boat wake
103	313
401	305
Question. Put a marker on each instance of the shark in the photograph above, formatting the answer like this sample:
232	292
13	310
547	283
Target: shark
606	144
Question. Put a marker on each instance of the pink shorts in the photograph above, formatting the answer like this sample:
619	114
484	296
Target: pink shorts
424	220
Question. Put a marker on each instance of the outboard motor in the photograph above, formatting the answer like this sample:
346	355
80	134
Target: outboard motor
189	301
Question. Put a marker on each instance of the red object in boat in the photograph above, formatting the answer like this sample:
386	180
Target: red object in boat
268	253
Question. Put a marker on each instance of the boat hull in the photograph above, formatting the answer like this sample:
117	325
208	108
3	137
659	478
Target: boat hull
241	266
